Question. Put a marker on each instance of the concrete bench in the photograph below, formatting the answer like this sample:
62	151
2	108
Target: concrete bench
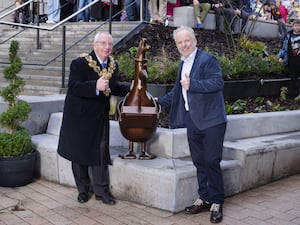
184	15
267	145
258	148
172	180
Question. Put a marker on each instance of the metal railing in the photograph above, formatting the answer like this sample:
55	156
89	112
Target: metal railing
54	27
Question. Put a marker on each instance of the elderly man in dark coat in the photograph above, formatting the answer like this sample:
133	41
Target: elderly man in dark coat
84	136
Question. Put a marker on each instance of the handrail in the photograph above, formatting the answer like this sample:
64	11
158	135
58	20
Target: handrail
14	9
55	26
2	10
43	27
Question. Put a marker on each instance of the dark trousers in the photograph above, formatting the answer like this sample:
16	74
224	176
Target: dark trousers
294	71
230	19
98	182
206	147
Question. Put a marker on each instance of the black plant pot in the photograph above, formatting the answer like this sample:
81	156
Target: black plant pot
238	89
17	171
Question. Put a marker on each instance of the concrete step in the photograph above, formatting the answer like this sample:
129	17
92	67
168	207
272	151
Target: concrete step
39	90
172	180
39	80
37	71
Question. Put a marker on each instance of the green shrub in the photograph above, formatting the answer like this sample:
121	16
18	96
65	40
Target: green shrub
15	144
250	59
159	70
15	140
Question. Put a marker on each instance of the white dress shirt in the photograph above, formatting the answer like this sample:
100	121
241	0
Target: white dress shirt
186	69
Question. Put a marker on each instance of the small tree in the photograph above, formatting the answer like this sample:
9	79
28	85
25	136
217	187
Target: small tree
16	140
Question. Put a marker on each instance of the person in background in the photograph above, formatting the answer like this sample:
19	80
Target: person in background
282	10
196	102
257	9
18	15
232	11
84	134
84	16
170	8
289	54
158	11
276	15
267	11
67	8
100	10
201	8
53	11
294	12
133	9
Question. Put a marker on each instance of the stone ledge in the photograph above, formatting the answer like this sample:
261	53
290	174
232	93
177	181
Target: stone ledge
266	158
169	182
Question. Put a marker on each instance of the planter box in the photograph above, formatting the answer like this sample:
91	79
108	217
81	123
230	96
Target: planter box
253	88
237	89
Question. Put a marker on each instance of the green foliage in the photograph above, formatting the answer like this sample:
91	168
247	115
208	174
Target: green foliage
11	118
15	144
16	141
250	59
161	70
297	99
283	92
263	104
169	72
226	65
126	65
239	106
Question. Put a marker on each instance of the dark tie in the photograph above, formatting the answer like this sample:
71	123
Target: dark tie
103	65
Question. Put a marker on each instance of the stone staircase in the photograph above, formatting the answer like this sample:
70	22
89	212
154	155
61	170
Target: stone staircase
41	70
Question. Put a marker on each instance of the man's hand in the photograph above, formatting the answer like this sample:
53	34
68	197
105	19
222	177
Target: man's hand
280	60
238	12
102	84
185	83
219	5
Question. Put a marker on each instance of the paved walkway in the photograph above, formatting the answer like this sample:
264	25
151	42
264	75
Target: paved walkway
45	203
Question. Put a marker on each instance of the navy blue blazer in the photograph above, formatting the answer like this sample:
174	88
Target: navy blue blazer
205	94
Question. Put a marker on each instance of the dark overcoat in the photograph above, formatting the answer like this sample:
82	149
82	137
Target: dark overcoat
84	134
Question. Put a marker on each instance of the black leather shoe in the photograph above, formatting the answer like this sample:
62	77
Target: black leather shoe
82	197
216	215
106	198
197	207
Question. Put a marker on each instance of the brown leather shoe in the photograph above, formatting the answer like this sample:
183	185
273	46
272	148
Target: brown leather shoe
216	214
197	207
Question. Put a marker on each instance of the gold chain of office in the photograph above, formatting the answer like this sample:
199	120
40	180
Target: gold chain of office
106	73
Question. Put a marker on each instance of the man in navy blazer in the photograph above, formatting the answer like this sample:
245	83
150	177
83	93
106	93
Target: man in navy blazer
196	102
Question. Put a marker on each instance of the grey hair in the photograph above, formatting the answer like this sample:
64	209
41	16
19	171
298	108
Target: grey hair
184	28
102	33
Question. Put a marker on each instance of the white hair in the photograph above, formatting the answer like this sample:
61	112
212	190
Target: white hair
100	33
184	28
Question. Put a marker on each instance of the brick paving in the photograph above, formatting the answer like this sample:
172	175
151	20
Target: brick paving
46	203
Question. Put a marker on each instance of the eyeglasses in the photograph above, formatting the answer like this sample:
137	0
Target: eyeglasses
103	43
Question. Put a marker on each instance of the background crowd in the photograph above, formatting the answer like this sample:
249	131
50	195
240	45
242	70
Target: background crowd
158	11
